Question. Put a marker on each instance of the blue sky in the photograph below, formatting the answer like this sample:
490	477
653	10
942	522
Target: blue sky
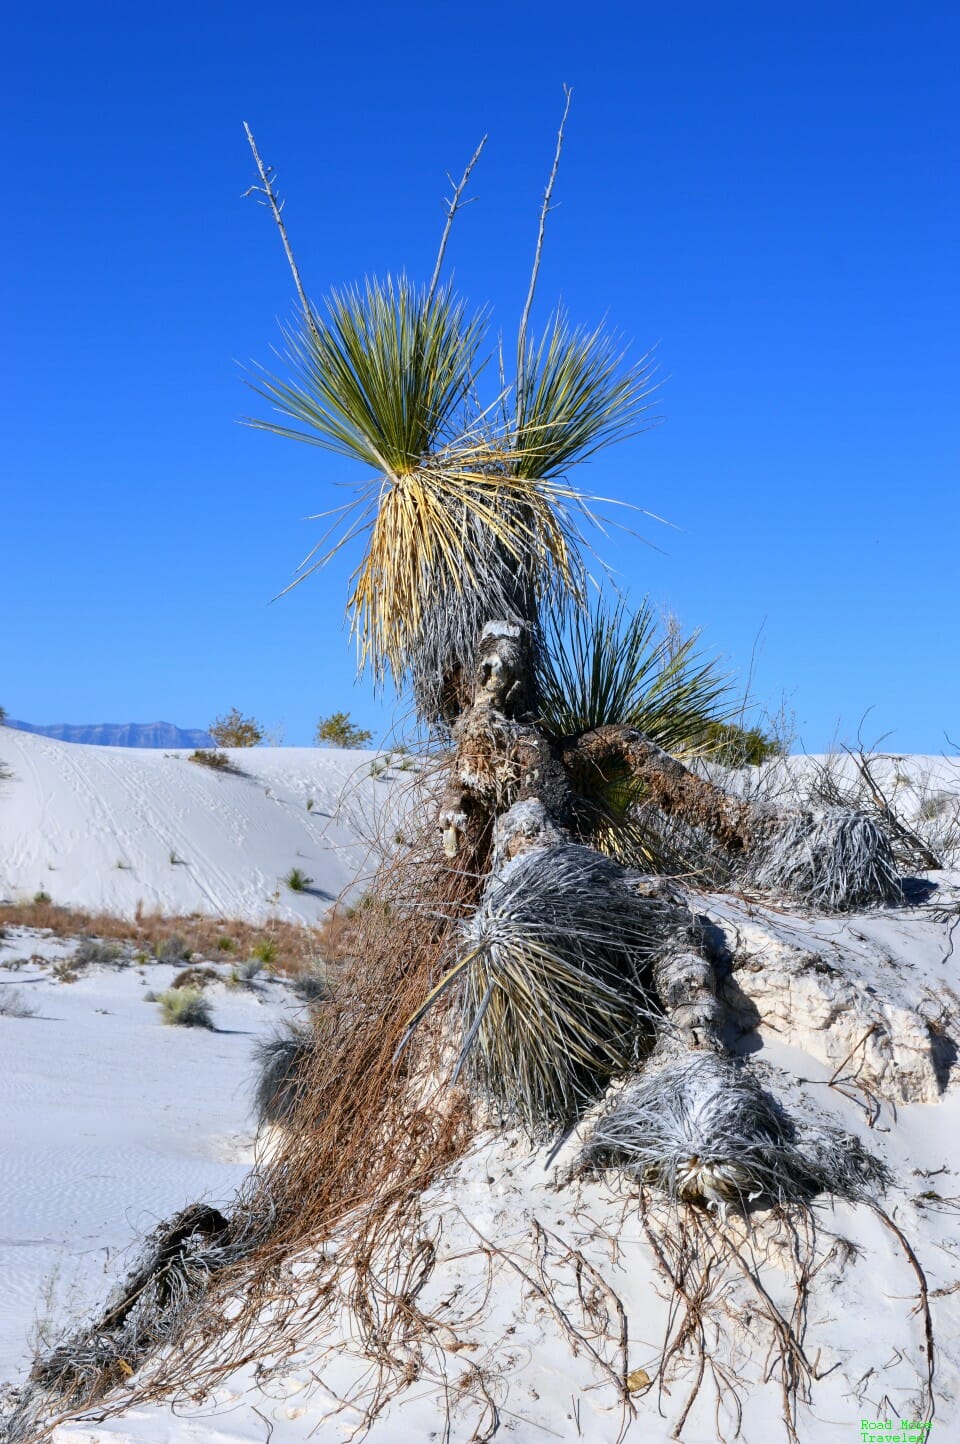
767	192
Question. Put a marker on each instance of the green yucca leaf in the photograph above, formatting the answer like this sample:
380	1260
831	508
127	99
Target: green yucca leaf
610	667
575	399
382	378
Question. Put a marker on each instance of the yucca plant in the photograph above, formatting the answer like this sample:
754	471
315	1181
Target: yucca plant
384	379
575	396
553	979
608	666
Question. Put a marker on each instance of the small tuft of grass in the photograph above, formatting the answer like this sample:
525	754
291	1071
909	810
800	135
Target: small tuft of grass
226	945
172	949
297	880
266	952
40	897
92	951
14	1005
212	757
185	1008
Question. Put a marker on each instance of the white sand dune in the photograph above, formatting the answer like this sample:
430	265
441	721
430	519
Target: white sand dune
111	828
109	1121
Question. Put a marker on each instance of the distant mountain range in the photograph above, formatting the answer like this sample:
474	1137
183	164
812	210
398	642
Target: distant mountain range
120	734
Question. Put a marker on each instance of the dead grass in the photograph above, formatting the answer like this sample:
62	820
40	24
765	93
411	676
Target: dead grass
369	1132
297	948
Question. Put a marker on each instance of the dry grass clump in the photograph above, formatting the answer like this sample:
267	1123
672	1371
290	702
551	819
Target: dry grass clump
212	757
365	1135
294	947
13	1004
283	1064
554	970
142	1314
831	860
185	1008
704	1130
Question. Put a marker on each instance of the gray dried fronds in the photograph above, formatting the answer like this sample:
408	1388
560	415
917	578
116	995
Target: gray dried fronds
151	1307
704	1130
555	999
831	859
497	583
283	1065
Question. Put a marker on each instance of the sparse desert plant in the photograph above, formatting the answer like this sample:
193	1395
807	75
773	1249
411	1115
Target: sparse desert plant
185	1008
213	757
266	952
733	745
282	1065
312	987
13	1004
235	730
93	951
41	896
245	974
171	949
3	716
226	945
338	731
195	977
297	880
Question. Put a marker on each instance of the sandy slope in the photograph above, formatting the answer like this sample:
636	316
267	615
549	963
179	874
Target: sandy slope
100	1133
110	827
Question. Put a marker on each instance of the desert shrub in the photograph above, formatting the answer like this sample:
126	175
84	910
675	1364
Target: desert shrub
312	987
283	1064
736	746
212	757
40	897
196	977
171	949
235	730
245	974
3	716
92	950
185	1008
14	1005
266	952
338	731
297	880
226	945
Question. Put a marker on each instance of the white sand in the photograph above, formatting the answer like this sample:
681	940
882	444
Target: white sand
111	1121
107	828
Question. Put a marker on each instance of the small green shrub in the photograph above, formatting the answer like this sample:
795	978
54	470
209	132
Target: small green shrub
185	1008
266	952
211	757
297	880
734	746
235	730
41	897
226	945
338	731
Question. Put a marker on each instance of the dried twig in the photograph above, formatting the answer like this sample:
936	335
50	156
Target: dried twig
453	205
544	210
266	189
